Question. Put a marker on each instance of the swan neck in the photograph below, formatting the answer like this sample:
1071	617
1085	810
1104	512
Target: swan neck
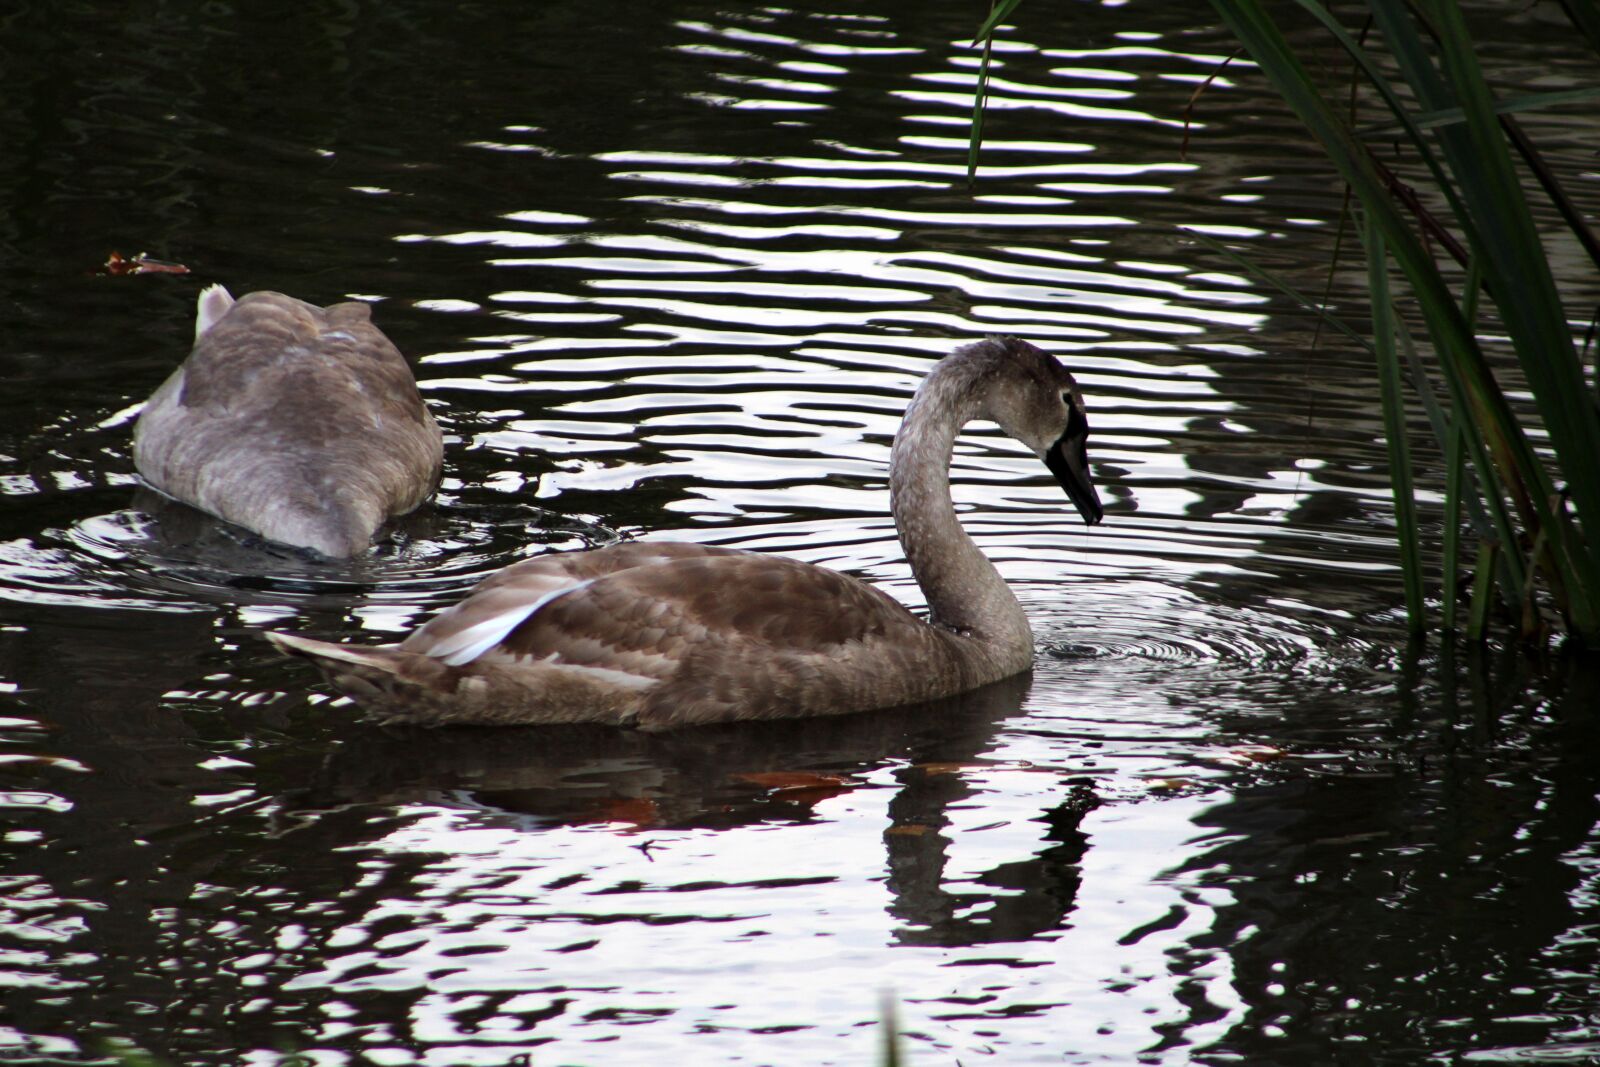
964	591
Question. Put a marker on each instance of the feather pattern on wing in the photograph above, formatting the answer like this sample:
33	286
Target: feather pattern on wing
679	620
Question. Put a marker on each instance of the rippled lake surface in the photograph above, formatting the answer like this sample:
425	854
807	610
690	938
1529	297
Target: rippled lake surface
672	270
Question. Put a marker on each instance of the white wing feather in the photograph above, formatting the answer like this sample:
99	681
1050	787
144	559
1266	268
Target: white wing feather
466	645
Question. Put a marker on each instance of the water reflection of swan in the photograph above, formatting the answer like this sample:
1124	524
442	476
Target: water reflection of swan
720	778
299	423
667	634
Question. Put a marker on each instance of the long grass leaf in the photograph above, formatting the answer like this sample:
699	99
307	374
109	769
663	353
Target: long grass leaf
1394	427
1571	214
1474	392
1518	272
999	13
1499	226
1450	580
1450	116
1472	386
890	1022
1455	479
980	91
1482	583
1445	428
1585	15
980	97
1380	82
1525	603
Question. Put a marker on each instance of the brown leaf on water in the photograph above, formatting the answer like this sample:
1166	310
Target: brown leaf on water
637	812
117	264
1255	754
809	798
954	767
949	768
779	780
798	787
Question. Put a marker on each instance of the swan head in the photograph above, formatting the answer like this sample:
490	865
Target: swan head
1035	400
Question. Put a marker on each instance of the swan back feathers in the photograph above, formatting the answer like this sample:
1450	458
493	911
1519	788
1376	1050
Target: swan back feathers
301	423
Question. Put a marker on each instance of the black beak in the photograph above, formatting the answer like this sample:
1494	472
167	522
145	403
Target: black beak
1068	460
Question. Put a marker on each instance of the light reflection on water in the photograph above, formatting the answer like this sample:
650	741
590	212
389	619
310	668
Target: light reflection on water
679	284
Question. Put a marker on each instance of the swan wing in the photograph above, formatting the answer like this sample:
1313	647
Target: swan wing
500	603
703	633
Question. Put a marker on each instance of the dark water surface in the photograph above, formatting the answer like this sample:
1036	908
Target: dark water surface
672	270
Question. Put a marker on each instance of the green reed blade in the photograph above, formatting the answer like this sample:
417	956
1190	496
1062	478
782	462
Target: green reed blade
1394	427
980	97
1517	270
1585	15
1450	580
998	13
1495	432
1455	466
1472	388
1380	82
890	1021
999	10
1506	105
1571	213
1525	602
1482	582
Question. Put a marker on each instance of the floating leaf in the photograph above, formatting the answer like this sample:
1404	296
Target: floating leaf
782	781
117	264
634	811
1255	754
804	788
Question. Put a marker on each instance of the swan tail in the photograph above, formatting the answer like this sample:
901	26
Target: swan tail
400	686
213	303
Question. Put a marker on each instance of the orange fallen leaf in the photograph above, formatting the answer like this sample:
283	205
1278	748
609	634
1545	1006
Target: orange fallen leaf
635	811
805	788
1255	754
780	780
956	767
949	768
118	264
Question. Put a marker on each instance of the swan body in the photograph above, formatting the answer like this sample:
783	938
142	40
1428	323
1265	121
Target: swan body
659	635
300	423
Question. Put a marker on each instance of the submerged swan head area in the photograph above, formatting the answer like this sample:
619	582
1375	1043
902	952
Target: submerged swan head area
302	424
